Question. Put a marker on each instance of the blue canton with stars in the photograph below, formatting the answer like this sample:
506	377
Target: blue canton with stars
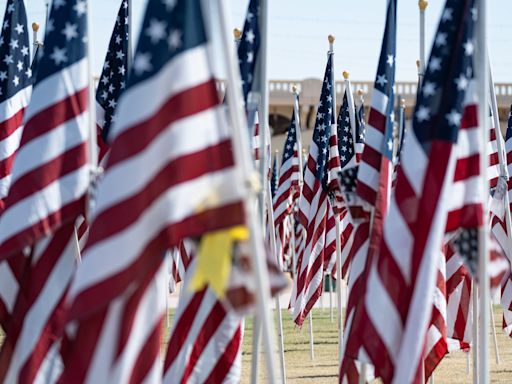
170	27
345	140
291	141
360	125
66	37
509	125
439	108
115	70
274	180
15	70
249	46
322	132
401	131
385	80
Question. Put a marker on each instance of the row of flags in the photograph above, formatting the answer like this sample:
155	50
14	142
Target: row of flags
413	202
82	255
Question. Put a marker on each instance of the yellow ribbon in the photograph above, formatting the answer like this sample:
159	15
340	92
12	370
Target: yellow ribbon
213	264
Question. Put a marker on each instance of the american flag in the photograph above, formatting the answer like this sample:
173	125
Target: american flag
274	177
15	91
249	47
59	110
346	145
508	150
320	178
442	150
374	170
373	186
15	86
170	175
50	178
288	190
113	77
205	344
360	131
506	289
348	159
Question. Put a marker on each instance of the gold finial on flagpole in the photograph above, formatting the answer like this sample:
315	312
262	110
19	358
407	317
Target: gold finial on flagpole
402	103
237	33
331	39
345	75
35	27
294	88
422	4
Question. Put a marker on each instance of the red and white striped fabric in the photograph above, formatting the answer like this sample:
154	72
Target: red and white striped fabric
15	90
451	323
436	339
459	310
205	345
346	228
358	254
121	343
179	260
493	171
506	304
288	189
50	175
50	178
401	281
300	245
170	175
11	275
30	350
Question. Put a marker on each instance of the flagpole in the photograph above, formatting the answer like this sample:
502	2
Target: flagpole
475	332
35	29
130	35
298	132
505	175
418	66
422	4
483	276
250	178
331	304
351	105
93	145
494	336
280	334
401	121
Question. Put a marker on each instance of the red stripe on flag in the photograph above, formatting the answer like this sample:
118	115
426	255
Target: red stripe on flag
10	125
178	171
189	102
55	115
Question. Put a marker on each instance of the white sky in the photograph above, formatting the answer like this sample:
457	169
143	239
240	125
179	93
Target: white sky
299	29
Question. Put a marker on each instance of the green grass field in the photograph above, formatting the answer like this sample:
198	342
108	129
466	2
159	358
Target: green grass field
324	368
